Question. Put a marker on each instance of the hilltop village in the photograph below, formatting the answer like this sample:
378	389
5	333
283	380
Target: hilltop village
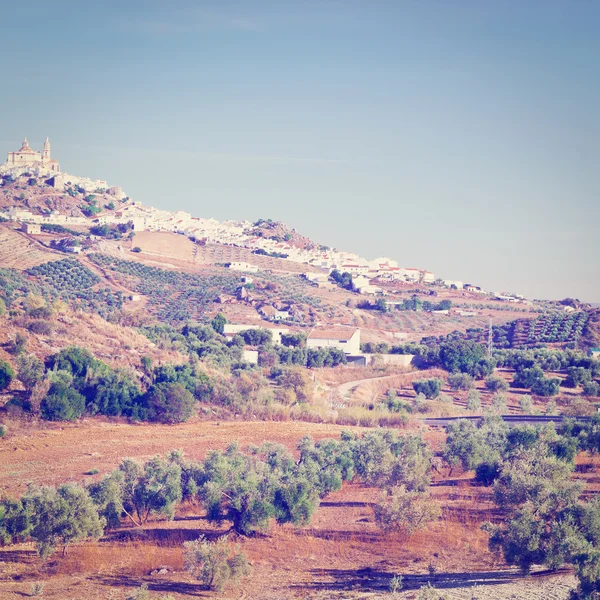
260	237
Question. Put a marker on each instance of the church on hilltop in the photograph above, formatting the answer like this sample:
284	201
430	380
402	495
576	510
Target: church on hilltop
27	157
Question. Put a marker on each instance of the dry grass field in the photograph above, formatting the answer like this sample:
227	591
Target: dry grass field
341	554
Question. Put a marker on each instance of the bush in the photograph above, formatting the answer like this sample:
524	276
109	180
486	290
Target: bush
460	381
136	249
169	403
214	563
401	510
525	403
430	388
7	374
591	388
495	383
40	327
3	430
473	400
546	387
499	403
62	403
577	376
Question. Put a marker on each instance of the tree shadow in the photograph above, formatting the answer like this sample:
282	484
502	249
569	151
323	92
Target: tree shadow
174	587
330	504
18	556
372	580
337	535
162	536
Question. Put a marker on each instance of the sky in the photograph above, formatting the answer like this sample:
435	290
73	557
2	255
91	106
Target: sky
459	136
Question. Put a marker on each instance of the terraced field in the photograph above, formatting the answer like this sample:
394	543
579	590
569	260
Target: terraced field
19	252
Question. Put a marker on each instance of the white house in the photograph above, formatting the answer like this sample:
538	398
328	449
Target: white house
231	329
451	283
243	266
410	274
346	339
428	277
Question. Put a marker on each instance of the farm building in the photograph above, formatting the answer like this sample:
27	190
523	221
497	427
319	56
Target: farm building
347	339
31	228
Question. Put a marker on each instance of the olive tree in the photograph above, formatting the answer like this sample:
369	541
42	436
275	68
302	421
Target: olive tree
61	516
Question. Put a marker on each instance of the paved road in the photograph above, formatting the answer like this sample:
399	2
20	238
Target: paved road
510	419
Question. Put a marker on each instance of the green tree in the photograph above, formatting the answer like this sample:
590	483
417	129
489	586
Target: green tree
218	323
115	393
249	490
430	388
327	464
577	376
169	403
7	374
460	381
62	403
546	387
473	400
495	383
154	487
384	459
469	444
15	522
61	516
30	370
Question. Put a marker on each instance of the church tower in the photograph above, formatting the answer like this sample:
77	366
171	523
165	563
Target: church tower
46	154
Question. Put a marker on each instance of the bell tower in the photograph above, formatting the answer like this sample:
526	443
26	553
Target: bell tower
46	153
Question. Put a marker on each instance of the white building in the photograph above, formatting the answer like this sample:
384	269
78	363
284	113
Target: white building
347	339
410	274
451	283
231	329
243	266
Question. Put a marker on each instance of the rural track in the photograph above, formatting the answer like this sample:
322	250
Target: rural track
347	387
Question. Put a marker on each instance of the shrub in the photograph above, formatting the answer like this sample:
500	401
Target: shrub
40	327
401	510
169	403
136	249
591	388
460	381
430	388
7	374
445	398
214	563
3	430
499	402
420	403
577	376
473	400
525	403
546	387
427	592
62	403
495	383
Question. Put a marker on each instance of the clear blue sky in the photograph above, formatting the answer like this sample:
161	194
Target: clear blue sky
462	136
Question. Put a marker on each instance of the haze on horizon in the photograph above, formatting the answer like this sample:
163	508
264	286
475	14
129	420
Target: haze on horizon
462	137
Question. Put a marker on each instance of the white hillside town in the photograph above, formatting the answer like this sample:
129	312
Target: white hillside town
27	161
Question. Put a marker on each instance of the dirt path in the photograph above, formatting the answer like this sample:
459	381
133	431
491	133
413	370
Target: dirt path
349	386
